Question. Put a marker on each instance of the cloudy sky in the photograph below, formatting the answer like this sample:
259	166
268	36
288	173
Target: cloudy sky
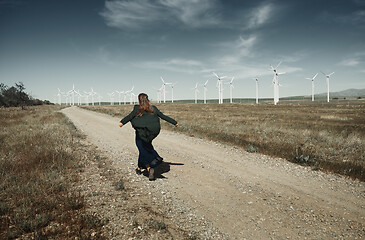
116	44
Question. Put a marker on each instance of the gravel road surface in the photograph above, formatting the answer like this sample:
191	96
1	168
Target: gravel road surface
209	190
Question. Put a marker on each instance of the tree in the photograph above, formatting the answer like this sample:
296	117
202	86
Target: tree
17	97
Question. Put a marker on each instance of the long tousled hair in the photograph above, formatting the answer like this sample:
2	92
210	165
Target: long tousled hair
144	104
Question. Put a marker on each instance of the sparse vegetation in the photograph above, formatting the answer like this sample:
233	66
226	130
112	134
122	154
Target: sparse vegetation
326	136
157	225
40	155
119	186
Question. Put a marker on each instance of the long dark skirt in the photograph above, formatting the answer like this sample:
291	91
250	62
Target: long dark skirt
147	154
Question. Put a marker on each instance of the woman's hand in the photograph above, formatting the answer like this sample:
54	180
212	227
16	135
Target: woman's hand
176	124
120	124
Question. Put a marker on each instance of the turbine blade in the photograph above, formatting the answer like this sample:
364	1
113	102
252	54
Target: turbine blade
331	74
278	65
315	76
215	74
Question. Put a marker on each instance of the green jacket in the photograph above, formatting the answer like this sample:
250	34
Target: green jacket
148	125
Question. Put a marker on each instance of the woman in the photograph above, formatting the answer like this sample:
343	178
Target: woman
145	120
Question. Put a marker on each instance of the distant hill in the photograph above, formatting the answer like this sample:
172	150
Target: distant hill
346	93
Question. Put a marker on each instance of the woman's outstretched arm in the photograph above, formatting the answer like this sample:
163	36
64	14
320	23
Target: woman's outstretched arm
164	117
129	117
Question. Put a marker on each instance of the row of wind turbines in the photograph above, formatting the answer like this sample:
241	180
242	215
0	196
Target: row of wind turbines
70	95
220	84
276	83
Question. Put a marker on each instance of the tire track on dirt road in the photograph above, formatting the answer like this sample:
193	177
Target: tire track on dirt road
245	195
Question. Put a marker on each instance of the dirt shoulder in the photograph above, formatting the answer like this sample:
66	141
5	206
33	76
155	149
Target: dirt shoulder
211	190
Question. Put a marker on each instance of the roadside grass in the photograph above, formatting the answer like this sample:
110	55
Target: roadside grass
40	156
326	136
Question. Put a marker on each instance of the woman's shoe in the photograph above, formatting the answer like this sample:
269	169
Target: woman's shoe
138	171
151	174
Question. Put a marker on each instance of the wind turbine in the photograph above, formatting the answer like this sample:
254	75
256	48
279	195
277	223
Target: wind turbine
205	91
78	97
328	84
66	95
159	91
99	97
164	89
111	96
72	92
312	79
87	98
59	95
220	88
257	89
92	93
196	92
230	89
124	97
130	93
172	91
133	97
119	96
276	82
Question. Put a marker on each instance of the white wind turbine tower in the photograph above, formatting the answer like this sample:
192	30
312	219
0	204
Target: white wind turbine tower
99	98
130	94
125	97
312	79
276	82
119	96
72	93
328	84
196	91
172	91
111	96
164	89
66	95
205	91
92	94
230	89
59	95
257	89
133	97
220	88
87	98
79	96
159	94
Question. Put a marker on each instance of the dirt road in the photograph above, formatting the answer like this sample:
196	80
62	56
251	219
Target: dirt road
243	195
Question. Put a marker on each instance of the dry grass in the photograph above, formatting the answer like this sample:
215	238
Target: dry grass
40	156
327	136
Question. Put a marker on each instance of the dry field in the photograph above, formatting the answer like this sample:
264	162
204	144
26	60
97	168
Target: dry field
40	158
326	136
